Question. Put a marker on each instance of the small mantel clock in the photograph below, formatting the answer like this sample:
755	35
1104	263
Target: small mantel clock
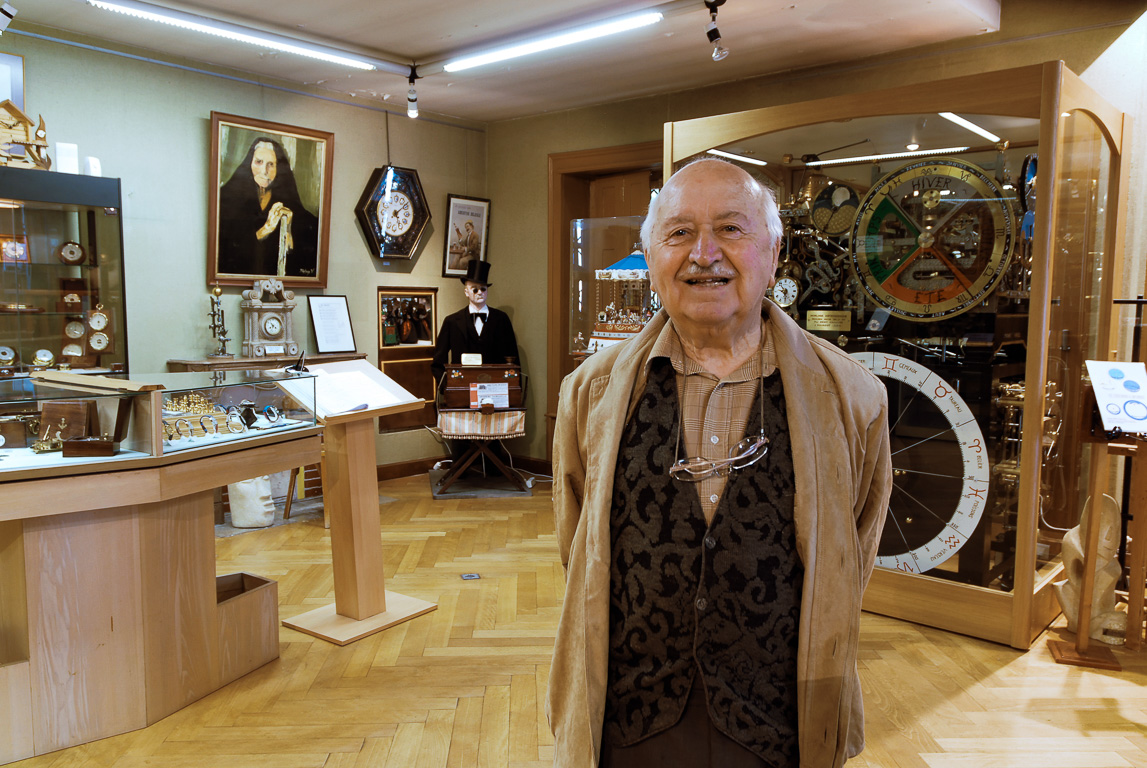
267	326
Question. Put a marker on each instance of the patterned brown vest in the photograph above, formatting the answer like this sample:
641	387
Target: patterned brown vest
723	600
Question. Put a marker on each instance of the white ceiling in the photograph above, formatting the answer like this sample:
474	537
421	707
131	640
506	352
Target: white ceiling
764	36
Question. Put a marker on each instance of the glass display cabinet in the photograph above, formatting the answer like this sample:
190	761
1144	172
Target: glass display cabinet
610	296
56	428
959	238
61	273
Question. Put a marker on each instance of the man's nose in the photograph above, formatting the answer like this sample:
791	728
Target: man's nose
706	250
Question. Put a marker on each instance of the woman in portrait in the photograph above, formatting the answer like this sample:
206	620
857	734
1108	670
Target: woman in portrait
263	227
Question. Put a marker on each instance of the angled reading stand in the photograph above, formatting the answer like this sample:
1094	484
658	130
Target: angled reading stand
348	396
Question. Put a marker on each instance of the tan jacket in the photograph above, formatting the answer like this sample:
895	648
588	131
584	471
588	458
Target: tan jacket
838	425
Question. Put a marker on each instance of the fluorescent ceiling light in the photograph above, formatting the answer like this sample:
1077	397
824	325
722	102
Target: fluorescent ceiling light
241	34
622	24
971	126
889	156
738	158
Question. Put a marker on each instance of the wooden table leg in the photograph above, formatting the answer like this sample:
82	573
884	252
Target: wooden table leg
362	604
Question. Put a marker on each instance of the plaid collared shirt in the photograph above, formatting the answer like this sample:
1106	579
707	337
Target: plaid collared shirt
714	411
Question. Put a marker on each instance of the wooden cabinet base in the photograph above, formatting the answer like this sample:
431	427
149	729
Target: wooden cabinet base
111	613
326	624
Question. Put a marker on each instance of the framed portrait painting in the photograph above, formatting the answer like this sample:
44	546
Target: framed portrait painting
467	228
269	203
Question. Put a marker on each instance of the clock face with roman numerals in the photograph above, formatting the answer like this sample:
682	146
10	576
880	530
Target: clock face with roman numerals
393	212
940	467
932	239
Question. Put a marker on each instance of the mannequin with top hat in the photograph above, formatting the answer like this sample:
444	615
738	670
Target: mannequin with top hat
476	328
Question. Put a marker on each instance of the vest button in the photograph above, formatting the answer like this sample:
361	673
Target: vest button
710	542
701	603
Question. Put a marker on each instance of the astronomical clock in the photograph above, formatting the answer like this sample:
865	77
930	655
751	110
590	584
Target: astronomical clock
975	288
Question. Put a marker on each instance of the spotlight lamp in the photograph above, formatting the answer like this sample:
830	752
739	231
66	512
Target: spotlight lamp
7	13
412	96
711	31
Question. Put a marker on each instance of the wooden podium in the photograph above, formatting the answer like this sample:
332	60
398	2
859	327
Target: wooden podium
362	603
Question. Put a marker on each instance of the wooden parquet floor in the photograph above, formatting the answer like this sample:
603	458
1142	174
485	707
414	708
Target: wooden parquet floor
464	686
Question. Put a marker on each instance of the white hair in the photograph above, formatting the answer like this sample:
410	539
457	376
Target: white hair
768	205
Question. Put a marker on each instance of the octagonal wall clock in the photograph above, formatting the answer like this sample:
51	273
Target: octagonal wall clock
393	212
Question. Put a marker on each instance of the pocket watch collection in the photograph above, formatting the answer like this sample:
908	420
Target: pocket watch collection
924	278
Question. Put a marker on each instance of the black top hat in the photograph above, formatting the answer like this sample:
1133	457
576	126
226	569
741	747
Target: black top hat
477	272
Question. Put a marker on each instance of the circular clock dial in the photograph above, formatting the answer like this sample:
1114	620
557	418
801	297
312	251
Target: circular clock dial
14	250
834	209
395	213
940	466
932	239
44	357
71	253
785	291
72	350
272	326
7	355
98	341
74	329
98	320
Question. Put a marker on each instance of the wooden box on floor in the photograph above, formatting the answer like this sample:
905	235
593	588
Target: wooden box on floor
248	620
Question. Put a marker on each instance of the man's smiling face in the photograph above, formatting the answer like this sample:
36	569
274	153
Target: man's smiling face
711	258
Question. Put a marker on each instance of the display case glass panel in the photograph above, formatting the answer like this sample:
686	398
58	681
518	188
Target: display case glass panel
610	296
46	426
206	409
61	273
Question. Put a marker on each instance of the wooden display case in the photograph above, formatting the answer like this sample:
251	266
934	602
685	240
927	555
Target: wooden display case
61	273
979	326
111	613
78	424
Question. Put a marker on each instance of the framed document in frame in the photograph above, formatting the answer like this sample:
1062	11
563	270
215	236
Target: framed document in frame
330	319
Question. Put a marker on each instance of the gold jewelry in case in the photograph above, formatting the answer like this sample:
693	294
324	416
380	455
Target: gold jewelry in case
192	402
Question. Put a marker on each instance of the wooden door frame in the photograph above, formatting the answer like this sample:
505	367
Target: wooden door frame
582	163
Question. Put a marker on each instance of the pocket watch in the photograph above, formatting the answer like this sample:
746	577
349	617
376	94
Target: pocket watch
71	252
74	329
97	318
99	341
940	467
932	239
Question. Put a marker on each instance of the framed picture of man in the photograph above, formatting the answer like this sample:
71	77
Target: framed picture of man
467	228
269	202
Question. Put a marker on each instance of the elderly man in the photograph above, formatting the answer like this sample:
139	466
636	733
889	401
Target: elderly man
720	485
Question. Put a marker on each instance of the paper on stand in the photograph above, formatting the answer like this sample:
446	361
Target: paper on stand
335	393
